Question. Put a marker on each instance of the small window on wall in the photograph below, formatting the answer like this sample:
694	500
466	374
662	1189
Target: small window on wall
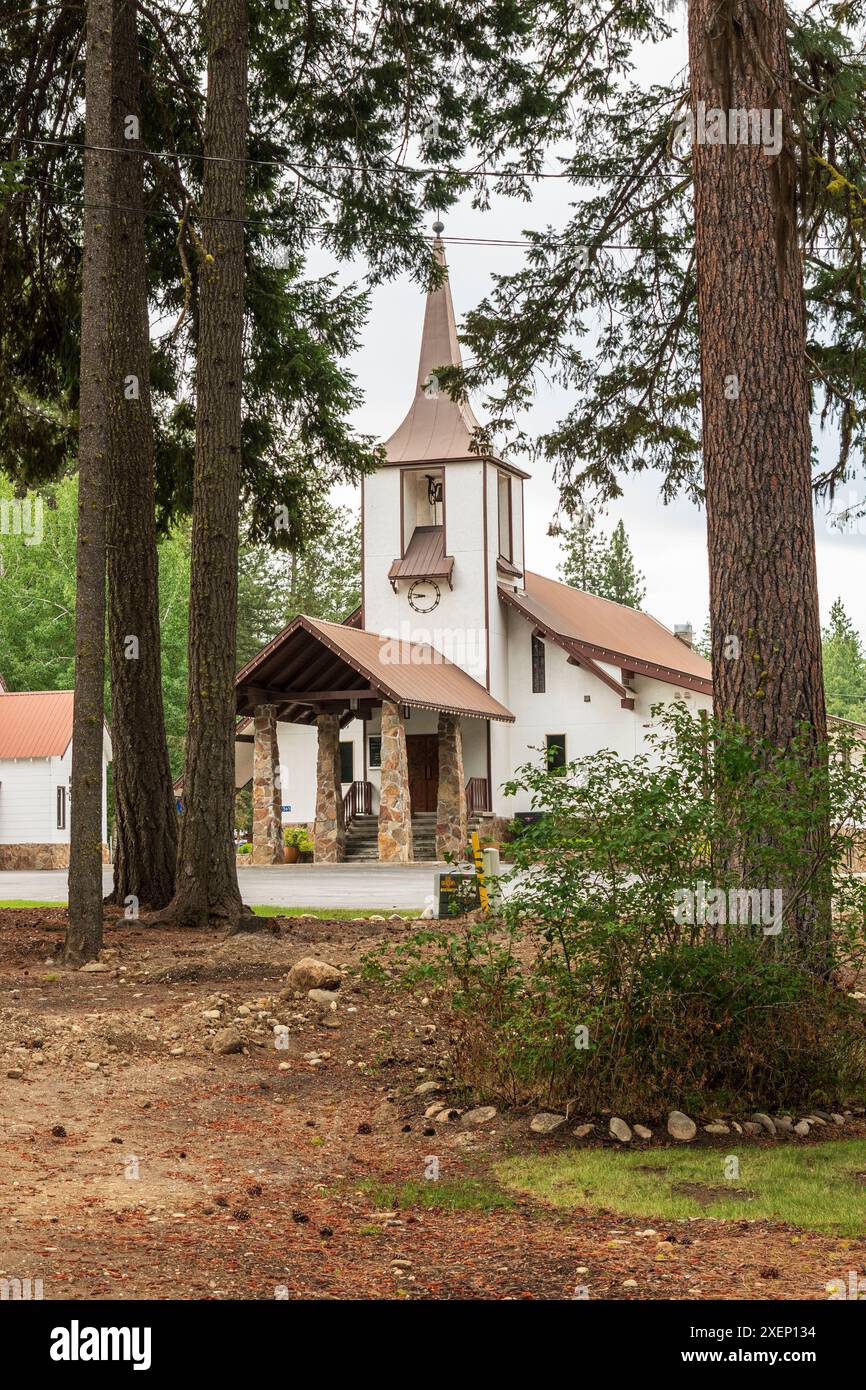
504	498
538	682
555	751
347	762
61	808
375	759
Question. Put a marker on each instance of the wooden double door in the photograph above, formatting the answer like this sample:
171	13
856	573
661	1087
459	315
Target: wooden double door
422	755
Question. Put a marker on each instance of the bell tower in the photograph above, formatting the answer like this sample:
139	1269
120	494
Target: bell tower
442	522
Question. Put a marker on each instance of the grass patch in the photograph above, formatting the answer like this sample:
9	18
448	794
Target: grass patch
25	902
469	1194
328	914
819	1187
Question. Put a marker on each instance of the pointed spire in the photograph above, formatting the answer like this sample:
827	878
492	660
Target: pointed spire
436	427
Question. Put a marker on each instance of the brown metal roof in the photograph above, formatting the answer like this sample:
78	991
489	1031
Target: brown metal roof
312	655
425	556
35	723
609	631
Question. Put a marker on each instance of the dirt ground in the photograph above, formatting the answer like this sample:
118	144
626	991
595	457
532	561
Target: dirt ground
135	1162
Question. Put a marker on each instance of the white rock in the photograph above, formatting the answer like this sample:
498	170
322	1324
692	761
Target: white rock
642	1132
717	1129
427	1088
802	1127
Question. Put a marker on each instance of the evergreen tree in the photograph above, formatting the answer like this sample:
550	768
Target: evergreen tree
583	558
101	396
599	564
206	888
621	580
844	667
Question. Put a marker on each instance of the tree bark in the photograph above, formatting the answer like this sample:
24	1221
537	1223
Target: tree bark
766	636
206	888
145	842
98	397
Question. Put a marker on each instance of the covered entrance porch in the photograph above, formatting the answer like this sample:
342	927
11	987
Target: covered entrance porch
415	709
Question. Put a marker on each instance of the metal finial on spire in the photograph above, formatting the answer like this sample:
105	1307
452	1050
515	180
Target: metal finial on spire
438	227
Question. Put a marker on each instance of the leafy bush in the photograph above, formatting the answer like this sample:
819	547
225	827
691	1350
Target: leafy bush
245	848
613	973
298	836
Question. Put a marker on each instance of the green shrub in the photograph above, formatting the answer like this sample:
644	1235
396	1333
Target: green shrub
591	982
245	848
298	836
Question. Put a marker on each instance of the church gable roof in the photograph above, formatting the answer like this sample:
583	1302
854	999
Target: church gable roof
610	632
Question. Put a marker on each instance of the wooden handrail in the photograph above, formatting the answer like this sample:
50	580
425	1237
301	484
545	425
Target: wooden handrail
358	801
477	796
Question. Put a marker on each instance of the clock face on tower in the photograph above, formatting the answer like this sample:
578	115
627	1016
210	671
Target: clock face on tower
424	595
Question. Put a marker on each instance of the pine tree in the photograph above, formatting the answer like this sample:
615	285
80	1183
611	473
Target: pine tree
145	828
583	558
599	564
844	667
621	580
206	886
100	396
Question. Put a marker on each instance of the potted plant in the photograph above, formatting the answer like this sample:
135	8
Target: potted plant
295	841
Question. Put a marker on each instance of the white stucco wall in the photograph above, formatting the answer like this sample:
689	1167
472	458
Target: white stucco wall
456	626
575	703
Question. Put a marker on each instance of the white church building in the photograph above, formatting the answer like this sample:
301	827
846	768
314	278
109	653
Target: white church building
391	732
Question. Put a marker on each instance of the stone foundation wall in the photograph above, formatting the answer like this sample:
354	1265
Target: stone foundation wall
39	856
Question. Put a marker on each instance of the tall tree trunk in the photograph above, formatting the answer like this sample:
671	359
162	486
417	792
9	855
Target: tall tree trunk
766	637
206	890
98	397
145	815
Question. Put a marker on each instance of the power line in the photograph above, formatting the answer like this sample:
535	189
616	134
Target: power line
295	165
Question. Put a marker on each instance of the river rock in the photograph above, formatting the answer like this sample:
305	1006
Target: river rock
310	973
620	1130
680	1126
227	1040
482	1115
759	1118
545	1122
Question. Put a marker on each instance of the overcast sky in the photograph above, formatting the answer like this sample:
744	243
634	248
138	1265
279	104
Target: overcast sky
669	541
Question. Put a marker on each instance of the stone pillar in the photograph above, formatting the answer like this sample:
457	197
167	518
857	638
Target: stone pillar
395	808
329	835
451	829
267	793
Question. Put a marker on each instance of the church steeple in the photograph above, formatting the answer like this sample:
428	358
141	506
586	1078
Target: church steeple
436	427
